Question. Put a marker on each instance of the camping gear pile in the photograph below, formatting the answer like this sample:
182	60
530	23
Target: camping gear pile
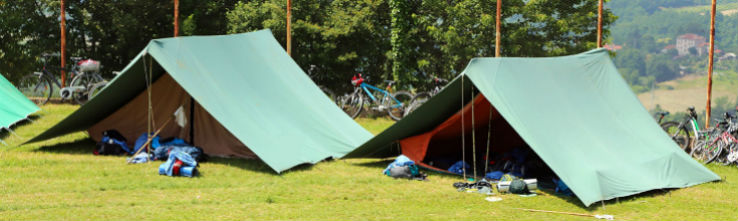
403	167
181	158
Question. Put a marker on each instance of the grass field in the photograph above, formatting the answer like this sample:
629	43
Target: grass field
61	179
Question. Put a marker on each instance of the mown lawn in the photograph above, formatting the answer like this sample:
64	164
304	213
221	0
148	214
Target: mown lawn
61	179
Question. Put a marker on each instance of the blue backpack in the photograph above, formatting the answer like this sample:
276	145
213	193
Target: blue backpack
112	143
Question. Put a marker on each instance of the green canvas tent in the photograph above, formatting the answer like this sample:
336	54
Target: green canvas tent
575	112
14	107
244	96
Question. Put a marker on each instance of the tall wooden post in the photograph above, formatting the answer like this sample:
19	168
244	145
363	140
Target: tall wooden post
289	27
63	44
709	66
498	33
176	18
599	25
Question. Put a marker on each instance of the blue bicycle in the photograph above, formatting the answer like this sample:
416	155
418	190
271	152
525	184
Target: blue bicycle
379	100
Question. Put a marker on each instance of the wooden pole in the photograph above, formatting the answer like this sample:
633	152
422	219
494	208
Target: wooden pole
709	66
599	25
176	18
63	44
151	138
497	28
289	27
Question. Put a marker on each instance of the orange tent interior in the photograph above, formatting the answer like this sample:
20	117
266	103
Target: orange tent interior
445	140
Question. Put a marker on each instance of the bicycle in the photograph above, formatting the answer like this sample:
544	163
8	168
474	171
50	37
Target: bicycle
423	97
684	133
708	150
39	85
328	92
394	103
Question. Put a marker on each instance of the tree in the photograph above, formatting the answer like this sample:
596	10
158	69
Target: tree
337	37
27	29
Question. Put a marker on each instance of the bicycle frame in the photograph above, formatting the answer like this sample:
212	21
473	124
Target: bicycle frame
366	87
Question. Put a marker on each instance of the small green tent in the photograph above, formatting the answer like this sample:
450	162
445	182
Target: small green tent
575	112
14	107
244	95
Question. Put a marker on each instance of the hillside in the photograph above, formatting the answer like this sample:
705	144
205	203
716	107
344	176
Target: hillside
676	95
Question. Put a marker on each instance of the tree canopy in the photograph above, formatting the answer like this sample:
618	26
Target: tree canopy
409	41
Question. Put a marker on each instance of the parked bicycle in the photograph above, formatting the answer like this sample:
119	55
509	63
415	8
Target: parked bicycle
719	138
39	85
684	133
423	97
312	74
382	100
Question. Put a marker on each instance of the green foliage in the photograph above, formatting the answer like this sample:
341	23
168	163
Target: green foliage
27	28
111	31
411	41
334	39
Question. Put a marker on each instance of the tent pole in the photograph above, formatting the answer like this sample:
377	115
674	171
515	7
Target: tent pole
599	25
463	142
63	43
489	137
709	68
497	28
289	27
474	140
176	18
192	121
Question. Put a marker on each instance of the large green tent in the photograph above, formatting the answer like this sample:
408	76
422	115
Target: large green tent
575	112
14	107
244	95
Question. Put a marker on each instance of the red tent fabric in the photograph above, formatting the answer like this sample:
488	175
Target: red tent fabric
445	139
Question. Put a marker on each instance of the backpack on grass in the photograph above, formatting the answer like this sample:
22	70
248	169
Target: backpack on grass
112	143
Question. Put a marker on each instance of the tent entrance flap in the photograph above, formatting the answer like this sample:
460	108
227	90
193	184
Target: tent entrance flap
166	97
441	147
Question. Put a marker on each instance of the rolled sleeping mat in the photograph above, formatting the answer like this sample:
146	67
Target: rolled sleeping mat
163	168
187	171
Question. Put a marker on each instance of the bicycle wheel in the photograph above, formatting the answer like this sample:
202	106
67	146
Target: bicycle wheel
352	103
679	135
731	155
36	88
328	93
397	110
417	101
81	84
707	152
96	88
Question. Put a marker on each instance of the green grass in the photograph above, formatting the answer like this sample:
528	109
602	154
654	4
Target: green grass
375	125
61	179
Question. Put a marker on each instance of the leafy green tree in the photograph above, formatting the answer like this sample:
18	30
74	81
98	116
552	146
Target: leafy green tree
27	29
334	39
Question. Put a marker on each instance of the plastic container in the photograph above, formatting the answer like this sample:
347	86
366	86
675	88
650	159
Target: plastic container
504	186
89	65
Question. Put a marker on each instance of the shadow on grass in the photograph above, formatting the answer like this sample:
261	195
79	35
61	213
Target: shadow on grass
86	146
81	146
381	164
4	133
